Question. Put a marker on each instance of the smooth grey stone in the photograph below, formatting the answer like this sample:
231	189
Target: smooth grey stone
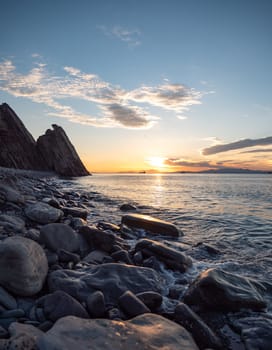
115	314
172	258
148	331
202	334
23	266
122	255
111	279
7	300
151	299
60	304
43	213
96	305
33	234
17	328
215	289
57	236
53	202
132	305
10	194
12	223
96	257
150	224
75	212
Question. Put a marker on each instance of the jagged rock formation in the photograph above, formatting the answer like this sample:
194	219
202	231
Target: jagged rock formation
53	151
59	153
17	146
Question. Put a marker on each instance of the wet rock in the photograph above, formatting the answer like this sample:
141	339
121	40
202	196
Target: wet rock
59	236
256	332
128	207
33	234
96	304
172	258
150	224
23	266
202	334
215	289
132	305
60	304
75	212
148	331
100	239
122	255
151	299
12	223
76	223
111	279
108	226
42	213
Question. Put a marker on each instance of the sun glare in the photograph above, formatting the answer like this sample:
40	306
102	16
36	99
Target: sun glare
156	162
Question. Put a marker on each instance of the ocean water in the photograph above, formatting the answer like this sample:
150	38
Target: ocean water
231	213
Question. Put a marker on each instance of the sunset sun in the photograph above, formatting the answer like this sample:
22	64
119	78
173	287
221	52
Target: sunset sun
156	162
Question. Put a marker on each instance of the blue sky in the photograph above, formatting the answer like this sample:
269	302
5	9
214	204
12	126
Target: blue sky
142	84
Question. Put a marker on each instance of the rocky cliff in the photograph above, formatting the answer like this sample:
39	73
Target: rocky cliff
59	153
17	146
53	151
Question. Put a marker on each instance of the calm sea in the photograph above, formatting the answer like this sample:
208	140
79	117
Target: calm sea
231	213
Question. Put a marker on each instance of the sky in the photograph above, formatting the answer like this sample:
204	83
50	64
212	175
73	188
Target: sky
172	85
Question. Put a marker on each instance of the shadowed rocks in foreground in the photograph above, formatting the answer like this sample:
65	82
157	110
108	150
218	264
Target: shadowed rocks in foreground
52	152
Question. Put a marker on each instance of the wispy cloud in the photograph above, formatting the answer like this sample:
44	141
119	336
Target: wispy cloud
262	150
118	107
130	37
237	145
177	162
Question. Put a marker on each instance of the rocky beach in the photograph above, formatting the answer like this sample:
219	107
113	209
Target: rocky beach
68	281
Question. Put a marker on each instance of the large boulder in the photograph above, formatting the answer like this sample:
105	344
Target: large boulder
43	213
59	153
23	266
111	279
148	331
172	258
58	236
215	289
150	224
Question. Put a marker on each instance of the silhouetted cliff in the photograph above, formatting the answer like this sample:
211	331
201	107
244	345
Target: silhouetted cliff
53	151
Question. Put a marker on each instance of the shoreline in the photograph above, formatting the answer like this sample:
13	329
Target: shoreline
108	249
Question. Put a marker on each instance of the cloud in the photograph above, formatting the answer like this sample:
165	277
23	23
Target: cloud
263	150
176	162
237	145
131	37
175	97
118	107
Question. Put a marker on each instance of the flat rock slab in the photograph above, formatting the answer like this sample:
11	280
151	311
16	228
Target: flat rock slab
172	258
111	279
215	289
23	266
43	213
146	332
150	224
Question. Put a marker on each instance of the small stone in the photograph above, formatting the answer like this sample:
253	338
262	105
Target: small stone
43	213
114	314
96	257
151	299
75	212
16	313
202	334
132	305
57	236
60	304
150	224
96	305
12	223
108	226
123	256
65	256
7	300
10	194
127	207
